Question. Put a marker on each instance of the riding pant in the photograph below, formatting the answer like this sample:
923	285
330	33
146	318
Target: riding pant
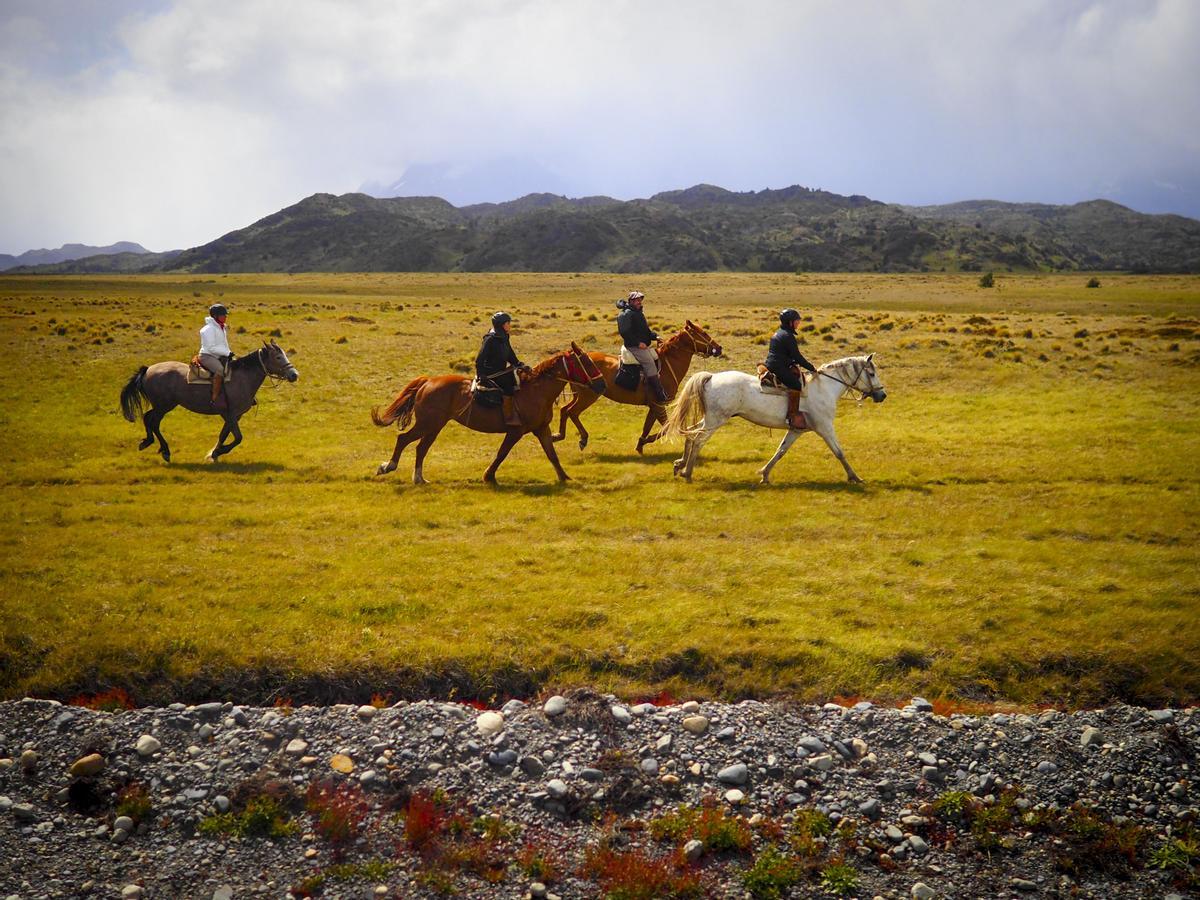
789	378
214	364
645	356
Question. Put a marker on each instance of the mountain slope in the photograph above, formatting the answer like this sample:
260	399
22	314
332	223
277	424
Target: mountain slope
65	253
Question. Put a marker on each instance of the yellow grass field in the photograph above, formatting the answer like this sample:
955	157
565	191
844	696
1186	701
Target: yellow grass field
1027	533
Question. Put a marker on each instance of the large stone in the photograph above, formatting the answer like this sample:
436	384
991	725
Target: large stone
29	760
124	823
489	723
131	892
147	745
340	762
556	788
922	891
822	763
812	744
367	712
1090	736
696	724
920	704
693	849
532	766
733	796
92	764
622	715
555	706
296	747
735	774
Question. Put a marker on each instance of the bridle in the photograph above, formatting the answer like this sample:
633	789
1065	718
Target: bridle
698	349
851	385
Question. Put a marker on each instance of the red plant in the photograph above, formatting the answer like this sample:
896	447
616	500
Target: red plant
424	820
381	701
284	704
636	875
338	811
476	704
112	700
662	698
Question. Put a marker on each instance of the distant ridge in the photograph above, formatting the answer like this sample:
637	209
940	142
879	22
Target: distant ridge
701	228
65	253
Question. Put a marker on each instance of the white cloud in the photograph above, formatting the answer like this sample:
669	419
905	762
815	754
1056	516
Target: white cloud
186	120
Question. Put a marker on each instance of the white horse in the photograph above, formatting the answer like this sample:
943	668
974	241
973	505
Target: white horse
710	399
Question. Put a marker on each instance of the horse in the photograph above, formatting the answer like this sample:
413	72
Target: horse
429	403
674	354
709	400
164	385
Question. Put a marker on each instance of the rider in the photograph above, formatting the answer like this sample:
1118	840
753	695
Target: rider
215	355
635	331
784	360
496	355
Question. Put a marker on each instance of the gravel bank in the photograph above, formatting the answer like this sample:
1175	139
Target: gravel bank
570	796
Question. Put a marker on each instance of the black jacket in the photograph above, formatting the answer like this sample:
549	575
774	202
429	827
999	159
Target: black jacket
495	355
783	353
634	328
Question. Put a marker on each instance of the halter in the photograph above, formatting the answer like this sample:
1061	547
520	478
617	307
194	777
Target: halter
850	385
696	351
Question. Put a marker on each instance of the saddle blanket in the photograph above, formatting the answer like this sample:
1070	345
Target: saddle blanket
628	359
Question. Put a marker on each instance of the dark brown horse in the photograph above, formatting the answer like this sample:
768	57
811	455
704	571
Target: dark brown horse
429	403
674	357
164	385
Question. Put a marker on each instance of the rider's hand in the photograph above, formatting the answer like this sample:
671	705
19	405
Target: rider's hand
642	346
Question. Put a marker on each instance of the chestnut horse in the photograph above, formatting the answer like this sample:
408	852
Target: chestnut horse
432	402
674	357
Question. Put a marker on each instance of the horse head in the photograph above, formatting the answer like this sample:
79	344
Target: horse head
702	341
582	369
275	361
874	388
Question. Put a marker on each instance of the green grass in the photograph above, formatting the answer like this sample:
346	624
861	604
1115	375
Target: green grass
1026	533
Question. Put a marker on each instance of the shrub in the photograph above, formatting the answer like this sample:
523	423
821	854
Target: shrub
953	805
1093	282
133	800
263	817
539	864
772	875
987	281
113	700
839	879
424	820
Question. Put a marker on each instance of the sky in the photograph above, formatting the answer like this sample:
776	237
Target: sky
172	122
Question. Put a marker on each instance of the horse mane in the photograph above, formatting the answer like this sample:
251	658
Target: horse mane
546	365
839	363
251	358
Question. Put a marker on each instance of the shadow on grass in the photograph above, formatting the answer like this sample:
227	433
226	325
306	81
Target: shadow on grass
231	468
633	457
828	487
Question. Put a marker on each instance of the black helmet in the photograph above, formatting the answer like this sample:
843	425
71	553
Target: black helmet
787	317
217	310
500	318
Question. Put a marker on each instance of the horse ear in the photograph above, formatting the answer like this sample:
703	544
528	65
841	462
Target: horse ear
575	347
870	356
688	322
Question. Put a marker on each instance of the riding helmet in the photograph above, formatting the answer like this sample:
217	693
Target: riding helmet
217	310
787	317
498	319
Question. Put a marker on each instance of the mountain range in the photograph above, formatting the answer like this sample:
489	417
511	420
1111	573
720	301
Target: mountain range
702	228
66	253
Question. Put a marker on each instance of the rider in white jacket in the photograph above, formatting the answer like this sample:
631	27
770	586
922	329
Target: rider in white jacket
215	355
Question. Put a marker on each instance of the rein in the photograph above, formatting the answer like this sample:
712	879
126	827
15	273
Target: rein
851	386
696	351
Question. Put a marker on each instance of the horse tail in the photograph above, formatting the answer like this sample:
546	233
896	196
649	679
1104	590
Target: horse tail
402	407
688	408
132	395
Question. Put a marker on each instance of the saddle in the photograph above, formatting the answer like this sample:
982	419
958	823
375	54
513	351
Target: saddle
486	394
197	374
629	370
769	383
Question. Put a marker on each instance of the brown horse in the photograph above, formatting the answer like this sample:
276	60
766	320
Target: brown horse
165	386
674	357
432	402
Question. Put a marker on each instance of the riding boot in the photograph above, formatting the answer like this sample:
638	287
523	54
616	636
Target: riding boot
511	417
795	418
654	387
218	397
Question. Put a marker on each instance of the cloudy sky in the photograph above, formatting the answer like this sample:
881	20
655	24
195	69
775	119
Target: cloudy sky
171	122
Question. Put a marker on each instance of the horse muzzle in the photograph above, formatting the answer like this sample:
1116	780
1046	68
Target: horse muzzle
879	396
293	375
715	351
598	385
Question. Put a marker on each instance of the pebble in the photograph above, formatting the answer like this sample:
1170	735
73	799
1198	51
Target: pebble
1046	767
696	724
532	766
733	796
622	715
123	822
224	892
555	706
918	844
1023	884
650	766
131	892
690	707
556	788
735	774
367	712
920	704
812	744
29	760
87	766
1090	736
489	723
147	745
822	763
340	762
692	850
296	747
922	891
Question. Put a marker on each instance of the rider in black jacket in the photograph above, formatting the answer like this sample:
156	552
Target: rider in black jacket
785	360
496	355
637	337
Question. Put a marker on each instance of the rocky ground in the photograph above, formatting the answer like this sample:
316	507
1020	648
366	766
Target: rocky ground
585	796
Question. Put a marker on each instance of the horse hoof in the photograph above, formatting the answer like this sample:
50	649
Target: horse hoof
383	469
583	443
209	458
146	443
638	448
166	457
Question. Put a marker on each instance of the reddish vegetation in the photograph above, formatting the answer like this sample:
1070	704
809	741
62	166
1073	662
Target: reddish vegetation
662	698
636	875
106	701
423	822
338	810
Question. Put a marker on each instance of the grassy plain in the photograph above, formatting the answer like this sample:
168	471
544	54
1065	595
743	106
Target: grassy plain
1027	532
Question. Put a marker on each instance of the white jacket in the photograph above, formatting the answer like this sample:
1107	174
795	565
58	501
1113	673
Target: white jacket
213	339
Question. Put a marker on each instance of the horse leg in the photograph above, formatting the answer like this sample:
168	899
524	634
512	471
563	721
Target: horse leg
547	442
402	441
422	449
707	430
788	440
572	411
150	420
215	453
652	416
510	440
163	448
232	425
677	466
826	432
